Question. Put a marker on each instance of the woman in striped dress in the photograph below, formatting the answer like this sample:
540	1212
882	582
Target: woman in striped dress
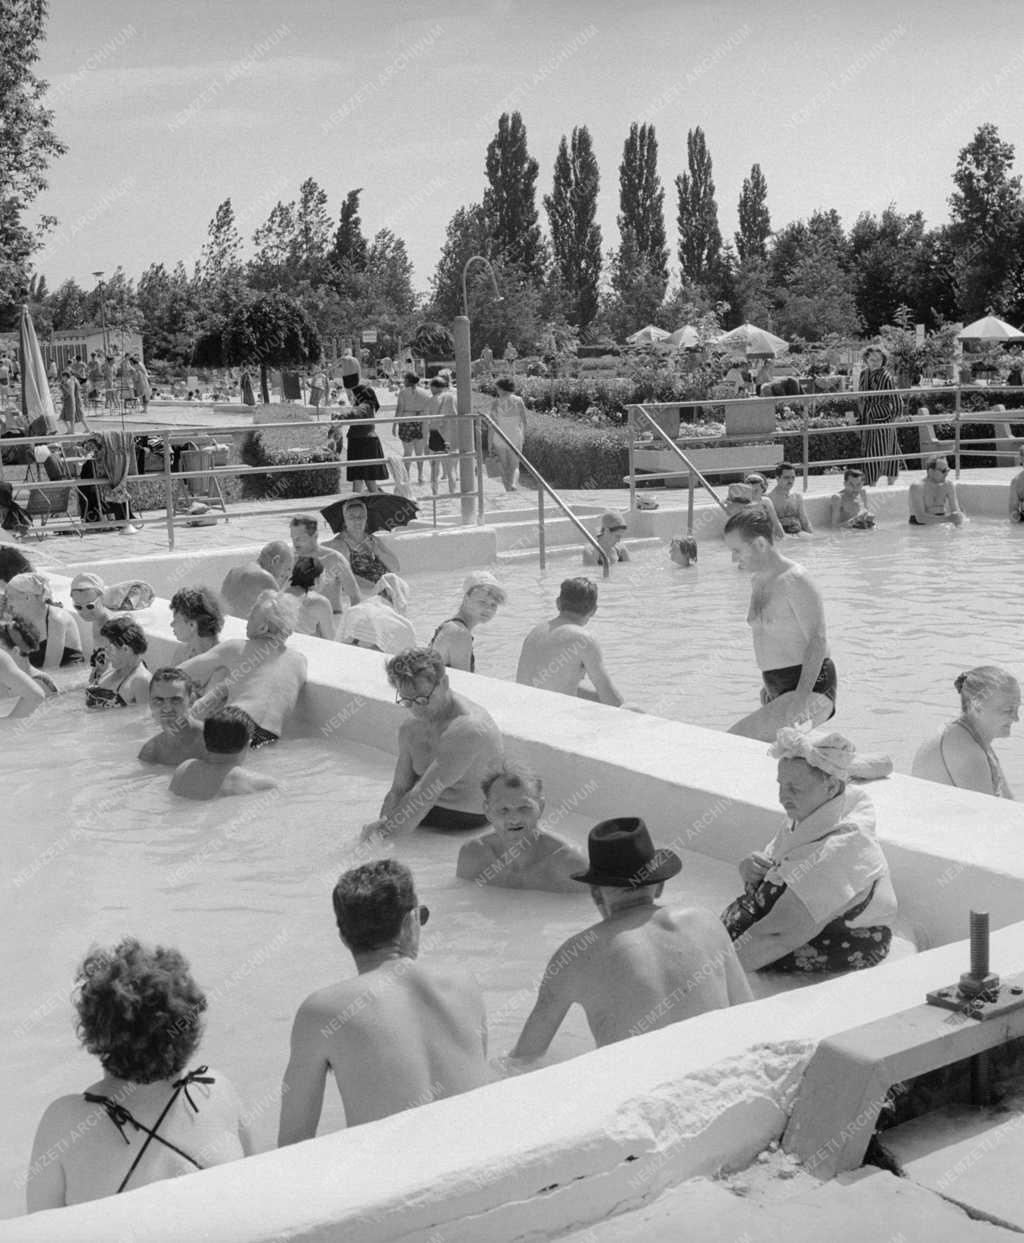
878	416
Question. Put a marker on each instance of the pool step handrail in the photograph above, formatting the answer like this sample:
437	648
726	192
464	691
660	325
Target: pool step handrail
544	487
694	473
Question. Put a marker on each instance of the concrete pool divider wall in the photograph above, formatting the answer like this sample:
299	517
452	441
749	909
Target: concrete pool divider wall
571	1143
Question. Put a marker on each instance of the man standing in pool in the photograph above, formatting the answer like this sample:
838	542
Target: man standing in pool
642	966
445	749
787	620
558	653
400	1034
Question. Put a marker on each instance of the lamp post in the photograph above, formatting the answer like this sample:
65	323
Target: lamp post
463	380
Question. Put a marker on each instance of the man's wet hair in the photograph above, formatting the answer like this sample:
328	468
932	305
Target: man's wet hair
171	674
311	524
782	468
413	663
751	523
516	777
577	595
227	732
370	902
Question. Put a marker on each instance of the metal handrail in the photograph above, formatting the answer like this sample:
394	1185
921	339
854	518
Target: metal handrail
543	486
692	471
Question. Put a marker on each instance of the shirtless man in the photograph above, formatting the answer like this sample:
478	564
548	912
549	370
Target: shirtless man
787	619
398	1035
445	749
227	735
642	966
337	580
316	617
933	499
610	531
269	572
557	653
849	508
518	853
172	694
1017	491
258	674
789	505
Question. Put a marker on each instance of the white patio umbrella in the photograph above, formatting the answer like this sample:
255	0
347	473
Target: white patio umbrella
990	328
647	336
36	401
685	338
749	339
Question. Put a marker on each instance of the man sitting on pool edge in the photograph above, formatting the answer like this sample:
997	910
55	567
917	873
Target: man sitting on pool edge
933	499
518	853
642	966
445	749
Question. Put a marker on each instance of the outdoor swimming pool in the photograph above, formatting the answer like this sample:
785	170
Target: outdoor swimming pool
242	887
907	611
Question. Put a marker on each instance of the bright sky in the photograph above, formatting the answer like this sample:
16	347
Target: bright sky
169	108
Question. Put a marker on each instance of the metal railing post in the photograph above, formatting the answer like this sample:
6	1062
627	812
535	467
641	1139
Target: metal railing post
807	439
169	491
541	534
478	440
632	459
956	430
689	502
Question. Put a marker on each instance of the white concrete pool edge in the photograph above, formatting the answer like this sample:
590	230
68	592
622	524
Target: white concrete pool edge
502	1163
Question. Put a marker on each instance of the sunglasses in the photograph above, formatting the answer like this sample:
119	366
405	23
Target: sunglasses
941	470
85	608
424	915
409	701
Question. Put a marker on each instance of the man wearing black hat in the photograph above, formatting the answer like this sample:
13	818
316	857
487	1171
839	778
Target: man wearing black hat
642	966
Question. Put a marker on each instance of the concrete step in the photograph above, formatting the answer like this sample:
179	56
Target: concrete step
564	551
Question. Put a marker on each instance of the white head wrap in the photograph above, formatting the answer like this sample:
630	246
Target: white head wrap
829	752
397	589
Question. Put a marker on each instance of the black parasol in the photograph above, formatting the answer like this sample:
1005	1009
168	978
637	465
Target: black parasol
384	511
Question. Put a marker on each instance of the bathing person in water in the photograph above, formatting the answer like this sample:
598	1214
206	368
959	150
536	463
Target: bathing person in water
316	617
259	674
141	1013
787	619
119	676
933	500
1017	492
558	653
196	621
819	897
337	582
789	505
962	755
227	735
172	695
269	572
482	595
446	747
849	508
518	853
683	551
16	642
399	1034
642	966
610	531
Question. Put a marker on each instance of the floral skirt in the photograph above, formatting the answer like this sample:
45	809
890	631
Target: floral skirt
837	947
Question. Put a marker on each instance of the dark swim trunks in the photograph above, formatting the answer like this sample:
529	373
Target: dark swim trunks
260	737
450	818
436	442
778	681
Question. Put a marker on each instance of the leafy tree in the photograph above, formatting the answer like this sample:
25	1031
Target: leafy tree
28	143
312	233
755	222
170	313
818	297
433	341
276	245
389	287
266	329
466	235
986	229
510	198
642	206
575	235
350	246
638	289
700	239
221	254
885	259
67	306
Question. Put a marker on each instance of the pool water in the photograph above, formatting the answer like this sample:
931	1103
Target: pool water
99	849
907	610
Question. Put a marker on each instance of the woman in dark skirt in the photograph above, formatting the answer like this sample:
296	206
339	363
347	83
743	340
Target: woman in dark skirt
878	416
363	441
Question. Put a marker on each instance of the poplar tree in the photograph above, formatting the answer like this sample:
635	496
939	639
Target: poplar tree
700	239
510	199
222	251
755	222
575	236
642	206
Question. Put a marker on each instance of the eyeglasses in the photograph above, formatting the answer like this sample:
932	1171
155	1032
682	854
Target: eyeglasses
409	701
941	470
424	915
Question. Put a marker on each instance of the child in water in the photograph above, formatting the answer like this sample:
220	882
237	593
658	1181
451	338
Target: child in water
226	737
517	853
683	551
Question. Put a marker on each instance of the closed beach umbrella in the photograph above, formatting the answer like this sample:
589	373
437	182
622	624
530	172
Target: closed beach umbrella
990	328
749	339
36	401
647	336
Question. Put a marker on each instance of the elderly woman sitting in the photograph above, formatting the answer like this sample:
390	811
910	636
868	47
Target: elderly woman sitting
819	897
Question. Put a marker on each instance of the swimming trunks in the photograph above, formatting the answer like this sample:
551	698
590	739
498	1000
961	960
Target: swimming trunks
260	737
436	442
460	622
410	431
451	818
778	681
121	1117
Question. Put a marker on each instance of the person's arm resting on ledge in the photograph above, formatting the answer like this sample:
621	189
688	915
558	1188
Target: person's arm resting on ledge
409	800
302	1091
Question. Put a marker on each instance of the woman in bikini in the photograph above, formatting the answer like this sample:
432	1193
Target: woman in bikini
140	1012
368	557
962	755
119	678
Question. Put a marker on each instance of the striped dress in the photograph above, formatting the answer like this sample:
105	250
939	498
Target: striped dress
878	415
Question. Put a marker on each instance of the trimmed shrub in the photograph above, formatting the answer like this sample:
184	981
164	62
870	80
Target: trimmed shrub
571	455
286	486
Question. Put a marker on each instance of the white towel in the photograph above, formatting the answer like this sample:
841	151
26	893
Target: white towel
400	476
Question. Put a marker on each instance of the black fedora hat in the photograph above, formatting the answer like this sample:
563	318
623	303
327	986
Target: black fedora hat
622	856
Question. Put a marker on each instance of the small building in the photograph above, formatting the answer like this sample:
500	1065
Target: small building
68	343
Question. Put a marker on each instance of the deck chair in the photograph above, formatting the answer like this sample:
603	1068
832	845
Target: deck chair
53	503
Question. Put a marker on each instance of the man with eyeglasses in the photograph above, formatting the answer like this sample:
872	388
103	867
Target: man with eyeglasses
445	749
400	1034
933	499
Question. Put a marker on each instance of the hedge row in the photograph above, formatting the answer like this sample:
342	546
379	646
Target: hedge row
571	455
284	485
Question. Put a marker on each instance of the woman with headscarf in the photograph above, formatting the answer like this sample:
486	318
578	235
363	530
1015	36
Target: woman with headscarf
28	600
379	622
961	754
879	414
818	898
363	441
